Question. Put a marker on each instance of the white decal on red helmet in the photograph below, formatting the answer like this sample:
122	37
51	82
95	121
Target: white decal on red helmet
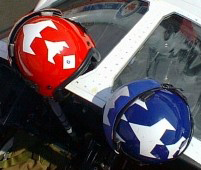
69	62
55	48
31	31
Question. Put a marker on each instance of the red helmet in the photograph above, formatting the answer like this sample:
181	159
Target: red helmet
50	51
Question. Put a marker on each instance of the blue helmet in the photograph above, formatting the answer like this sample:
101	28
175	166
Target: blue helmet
148	121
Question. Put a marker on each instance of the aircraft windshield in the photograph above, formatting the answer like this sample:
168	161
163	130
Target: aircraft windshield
107	21
172	54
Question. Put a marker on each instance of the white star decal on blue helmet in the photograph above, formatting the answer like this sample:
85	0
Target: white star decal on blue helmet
124	118
122	92
175	147
140	103
119	138
145	132
149	136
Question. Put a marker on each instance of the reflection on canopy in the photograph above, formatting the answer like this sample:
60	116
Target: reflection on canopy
172	54
107	21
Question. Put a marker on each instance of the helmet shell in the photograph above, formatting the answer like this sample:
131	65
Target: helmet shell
149	127
49	50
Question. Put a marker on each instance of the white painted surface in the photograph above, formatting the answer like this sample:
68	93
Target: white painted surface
3	50
196	3
193	150
43	4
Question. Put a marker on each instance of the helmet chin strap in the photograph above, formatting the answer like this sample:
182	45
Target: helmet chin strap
61	116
